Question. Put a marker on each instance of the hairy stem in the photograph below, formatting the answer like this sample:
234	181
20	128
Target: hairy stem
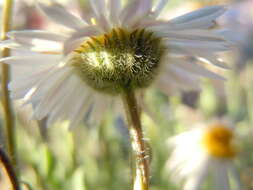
141	180
5	161
8	116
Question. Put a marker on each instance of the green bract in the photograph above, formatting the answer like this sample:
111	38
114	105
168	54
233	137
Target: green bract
119	59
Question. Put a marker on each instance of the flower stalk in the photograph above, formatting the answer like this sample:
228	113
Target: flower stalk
5	161
8	115
141	179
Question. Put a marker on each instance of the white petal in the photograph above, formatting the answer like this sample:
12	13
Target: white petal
38	34
99	7
58	112
201	19
180	73
197	69
48	101
150	23
78	37
9	44
29	74
26	77
80	110
182	78
221	176
72	45
129	10
193	183
212	59
19	92
134	11
74	105
47	47
115	9
196	46
199	35
37	80
144	8
196	24
40	92
209	13
31	60
22	82
196	179
103	23
101	104
159	7
60	15
206	55
36	45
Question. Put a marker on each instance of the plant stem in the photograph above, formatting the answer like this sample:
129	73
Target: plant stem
141	180
8	116
9	169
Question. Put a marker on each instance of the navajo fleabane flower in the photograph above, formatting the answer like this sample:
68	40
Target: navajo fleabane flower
201	152
118	46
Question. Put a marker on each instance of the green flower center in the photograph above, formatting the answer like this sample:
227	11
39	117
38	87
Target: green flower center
119	59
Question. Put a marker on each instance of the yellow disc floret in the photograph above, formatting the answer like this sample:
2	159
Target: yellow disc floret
218	141
119	59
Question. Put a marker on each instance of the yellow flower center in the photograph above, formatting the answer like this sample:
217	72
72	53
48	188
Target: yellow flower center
218	142
119	59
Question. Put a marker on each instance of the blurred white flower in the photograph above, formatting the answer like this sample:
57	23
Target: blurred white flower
61	72
202	152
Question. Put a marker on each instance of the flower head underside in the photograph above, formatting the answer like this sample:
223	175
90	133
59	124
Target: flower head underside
119	60
119	45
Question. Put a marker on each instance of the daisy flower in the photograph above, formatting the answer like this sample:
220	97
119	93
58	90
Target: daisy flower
201	152
119	45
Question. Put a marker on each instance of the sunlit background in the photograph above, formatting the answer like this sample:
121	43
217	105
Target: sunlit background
98	157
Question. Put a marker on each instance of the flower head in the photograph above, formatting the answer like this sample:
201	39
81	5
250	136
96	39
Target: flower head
120	45
119	59
203	151
218	141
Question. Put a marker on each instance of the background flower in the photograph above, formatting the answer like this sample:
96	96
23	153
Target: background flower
201	152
